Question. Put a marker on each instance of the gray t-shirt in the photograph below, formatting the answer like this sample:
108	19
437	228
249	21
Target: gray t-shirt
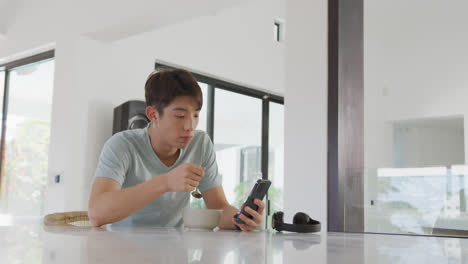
128	158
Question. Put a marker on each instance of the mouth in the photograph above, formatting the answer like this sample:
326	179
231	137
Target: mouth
186	139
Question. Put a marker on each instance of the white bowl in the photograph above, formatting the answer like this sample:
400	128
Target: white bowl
201	218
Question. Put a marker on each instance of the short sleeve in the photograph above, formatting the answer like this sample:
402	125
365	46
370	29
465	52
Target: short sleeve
114	160
212	177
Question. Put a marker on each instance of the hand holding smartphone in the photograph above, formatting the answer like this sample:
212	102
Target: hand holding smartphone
259	191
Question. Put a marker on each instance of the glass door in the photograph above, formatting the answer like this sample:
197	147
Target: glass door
27	136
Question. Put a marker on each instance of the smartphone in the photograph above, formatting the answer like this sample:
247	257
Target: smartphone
259	191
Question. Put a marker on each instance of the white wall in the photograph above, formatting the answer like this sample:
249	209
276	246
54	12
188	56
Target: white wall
306	110
235	45
415	65
80	108
92	76
429	143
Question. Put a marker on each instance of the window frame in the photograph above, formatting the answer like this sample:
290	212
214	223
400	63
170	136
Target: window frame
214	83
7	67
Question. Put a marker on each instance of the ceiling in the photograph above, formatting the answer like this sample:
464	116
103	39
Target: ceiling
108	20
8	9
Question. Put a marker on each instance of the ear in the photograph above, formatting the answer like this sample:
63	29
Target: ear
152	114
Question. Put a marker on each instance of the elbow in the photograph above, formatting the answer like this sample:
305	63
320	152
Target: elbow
95	218
95	222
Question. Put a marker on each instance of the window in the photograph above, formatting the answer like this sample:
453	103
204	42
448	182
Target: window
202	125
276	157
203	116
397	141
246	126
26	137
278	30
237	140
2	91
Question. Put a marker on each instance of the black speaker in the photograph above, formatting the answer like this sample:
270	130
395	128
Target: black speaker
130	115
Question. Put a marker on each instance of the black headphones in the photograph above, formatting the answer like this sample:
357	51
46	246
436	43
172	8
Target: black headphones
302	223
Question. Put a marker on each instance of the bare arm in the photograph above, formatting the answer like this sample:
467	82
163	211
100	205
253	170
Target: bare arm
216	199
109	203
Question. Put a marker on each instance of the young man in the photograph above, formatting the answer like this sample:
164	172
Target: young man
145	176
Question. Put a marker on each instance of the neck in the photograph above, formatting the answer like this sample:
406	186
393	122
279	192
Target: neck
163	150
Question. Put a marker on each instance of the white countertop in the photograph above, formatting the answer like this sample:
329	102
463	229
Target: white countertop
33	243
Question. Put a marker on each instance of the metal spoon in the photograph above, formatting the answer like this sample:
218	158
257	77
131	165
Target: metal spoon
196	193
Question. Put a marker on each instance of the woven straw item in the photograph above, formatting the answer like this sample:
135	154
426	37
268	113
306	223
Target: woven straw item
77	218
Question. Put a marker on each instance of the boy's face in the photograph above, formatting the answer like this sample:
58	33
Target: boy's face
179	120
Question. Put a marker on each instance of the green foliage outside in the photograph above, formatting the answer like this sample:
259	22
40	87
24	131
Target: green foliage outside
23	187
24	176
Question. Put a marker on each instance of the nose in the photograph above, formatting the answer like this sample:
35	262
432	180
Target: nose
190	124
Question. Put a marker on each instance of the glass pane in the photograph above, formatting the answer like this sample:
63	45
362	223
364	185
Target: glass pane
203	116
2	92
237	140
27	139
276	158
202	125
415	91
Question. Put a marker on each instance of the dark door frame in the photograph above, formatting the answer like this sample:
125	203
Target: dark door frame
345	116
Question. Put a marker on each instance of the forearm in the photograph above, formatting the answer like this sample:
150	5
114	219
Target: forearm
112	206
226	218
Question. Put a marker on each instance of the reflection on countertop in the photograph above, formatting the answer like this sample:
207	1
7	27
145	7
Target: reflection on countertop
31	242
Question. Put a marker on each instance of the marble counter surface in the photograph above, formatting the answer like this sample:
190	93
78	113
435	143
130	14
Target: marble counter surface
31	242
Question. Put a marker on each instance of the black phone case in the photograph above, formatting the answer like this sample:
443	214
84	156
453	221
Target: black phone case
259	191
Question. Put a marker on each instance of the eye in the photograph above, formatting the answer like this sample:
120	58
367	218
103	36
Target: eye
180	116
